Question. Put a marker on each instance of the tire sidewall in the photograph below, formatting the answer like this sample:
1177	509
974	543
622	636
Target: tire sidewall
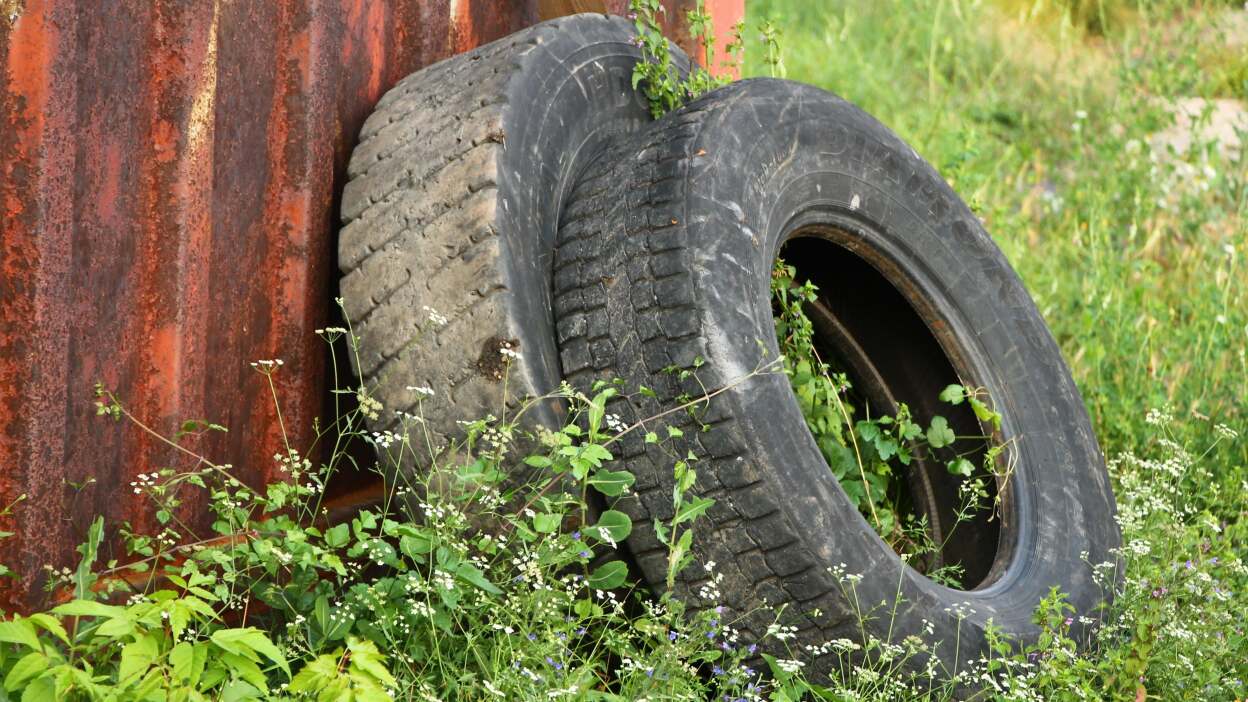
572	100
780	155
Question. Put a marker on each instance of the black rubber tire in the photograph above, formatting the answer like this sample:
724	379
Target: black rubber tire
664	258
452	204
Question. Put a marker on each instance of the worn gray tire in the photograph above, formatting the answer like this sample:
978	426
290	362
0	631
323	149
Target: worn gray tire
664	260
453	199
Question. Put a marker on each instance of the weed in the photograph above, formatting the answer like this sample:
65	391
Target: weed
1048	120
870	455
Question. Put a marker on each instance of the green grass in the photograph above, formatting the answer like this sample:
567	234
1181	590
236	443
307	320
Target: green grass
1138	269
1040	113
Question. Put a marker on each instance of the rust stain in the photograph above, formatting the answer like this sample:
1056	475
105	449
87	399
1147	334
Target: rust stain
725	15
476	22
169	177
39	123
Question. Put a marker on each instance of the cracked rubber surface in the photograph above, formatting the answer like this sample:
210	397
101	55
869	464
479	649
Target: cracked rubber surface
664	259
454	193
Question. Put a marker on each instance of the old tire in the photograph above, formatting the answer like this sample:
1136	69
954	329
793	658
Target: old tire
452	204
663	261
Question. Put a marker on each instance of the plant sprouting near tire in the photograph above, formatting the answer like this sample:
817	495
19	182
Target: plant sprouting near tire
869	455
885	417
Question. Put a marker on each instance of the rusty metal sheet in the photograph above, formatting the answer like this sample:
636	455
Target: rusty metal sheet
169	179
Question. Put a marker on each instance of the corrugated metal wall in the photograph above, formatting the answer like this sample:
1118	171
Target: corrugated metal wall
169	175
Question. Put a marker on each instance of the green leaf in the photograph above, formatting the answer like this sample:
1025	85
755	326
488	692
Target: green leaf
247	643
260	643
867	430
87	608
660	531
910	430
366	658
320	613
961	466
608	576
679	555
41	690
318	675
985	413
693	509
240	691
227	640
886	448
840	458
580	468
198	663
90	549
245	668
472	575
182	658
538	461
595	454
939	435
547	522
50	625
612	483
338	536
415	545
27	667
64	675
598	409
213	675
953	394
617	524
339	627
116	628
179	617
198	606
136	657
21	632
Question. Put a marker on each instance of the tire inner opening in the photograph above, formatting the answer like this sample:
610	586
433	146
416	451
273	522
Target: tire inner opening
866	328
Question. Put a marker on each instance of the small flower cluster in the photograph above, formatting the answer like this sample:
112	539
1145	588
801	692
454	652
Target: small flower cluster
143	481
370	406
